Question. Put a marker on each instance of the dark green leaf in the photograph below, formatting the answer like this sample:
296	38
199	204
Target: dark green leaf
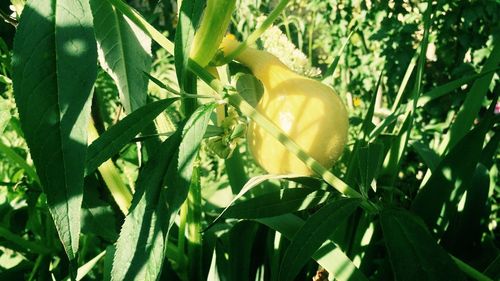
329	256
54	69
473	101
370	160
466	228
436	202
117	136
430	157
124	53
241	239
313	234
413	252
277	203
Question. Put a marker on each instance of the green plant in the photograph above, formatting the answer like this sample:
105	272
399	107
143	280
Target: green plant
162	186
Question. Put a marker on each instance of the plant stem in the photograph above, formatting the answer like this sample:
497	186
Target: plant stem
470	271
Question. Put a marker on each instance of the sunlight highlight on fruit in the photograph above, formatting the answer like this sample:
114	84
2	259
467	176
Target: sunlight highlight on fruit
309	112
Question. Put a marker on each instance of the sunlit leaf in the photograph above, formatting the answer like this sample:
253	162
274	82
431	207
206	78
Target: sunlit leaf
54	65
124	53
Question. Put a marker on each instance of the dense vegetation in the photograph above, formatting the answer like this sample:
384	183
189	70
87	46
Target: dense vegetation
124	156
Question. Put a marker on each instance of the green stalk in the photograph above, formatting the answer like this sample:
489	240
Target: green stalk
212	29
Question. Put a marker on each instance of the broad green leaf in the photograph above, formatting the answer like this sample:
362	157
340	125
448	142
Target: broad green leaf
124	53
413	252
277	203
250	88
162	187
117	136
313	234
436	202
54	69
329	256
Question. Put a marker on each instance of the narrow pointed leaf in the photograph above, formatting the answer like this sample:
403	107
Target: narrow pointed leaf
413	252
277	203
161	188
436	202
124	53
54	68
329	256
313	234
117	136
142	235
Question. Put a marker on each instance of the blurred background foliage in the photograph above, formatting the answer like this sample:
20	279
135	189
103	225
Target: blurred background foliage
382	37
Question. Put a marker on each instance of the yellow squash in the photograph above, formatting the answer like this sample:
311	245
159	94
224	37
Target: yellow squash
309	112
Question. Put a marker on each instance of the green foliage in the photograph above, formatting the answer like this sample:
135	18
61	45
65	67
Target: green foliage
420	171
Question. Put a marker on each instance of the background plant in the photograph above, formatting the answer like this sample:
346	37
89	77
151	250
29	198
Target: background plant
152	198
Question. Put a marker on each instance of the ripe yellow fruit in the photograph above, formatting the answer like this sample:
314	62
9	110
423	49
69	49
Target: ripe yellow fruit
309	112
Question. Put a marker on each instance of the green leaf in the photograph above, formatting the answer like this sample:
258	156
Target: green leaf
4	114
449	87
436	202
162	186
467	227
124	53
473	102
120	134
250	88
430	157
54	69
189	17
413	252
329	256
370	158
241	238
313	234
277	203
253	182
141	241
